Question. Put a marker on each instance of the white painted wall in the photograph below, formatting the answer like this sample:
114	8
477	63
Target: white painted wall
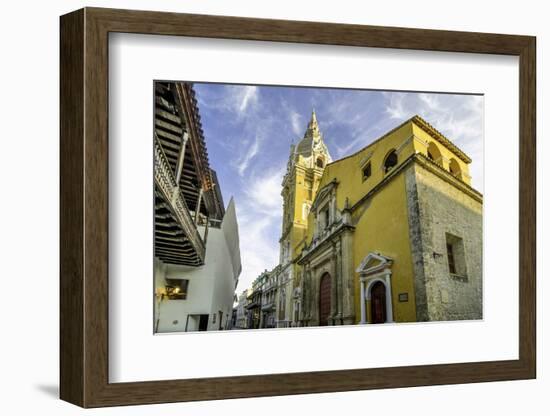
211	287
29	353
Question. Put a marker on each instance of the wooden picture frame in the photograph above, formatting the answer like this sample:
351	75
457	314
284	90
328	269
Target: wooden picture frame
84	207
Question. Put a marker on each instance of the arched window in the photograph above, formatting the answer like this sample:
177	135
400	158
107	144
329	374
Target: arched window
434	153
390	161
454	168
320	163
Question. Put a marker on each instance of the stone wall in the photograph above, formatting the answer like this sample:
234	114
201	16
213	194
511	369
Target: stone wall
439	211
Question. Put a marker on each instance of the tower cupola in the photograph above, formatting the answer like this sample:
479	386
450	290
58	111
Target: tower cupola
311	146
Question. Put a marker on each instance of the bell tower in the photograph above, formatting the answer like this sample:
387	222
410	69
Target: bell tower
305	167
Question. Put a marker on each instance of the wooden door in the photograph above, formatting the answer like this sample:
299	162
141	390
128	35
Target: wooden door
324	299
378	303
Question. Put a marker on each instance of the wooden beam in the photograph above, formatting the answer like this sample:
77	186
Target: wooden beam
168	136
178	239
167	223
164	103
169	144
169	250
168	126
168	116
172	233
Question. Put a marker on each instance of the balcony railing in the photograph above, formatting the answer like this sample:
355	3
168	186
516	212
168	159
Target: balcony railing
166	183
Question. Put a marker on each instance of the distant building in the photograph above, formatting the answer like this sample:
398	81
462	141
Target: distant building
269	294
197	256
241	320
254	305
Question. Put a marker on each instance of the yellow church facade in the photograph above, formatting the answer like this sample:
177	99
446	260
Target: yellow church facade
391	233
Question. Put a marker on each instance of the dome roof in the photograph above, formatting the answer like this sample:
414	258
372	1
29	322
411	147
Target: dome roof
312	140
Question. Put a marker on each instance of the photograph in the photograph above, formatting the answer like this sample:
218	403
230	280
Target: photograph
292	206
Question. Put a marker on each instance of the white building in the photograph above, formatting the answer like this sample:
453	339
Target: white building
200	298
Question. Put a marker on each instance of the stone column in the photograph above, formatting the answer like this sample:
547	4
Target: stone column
363	302
332	208
303	310
288	306
310	294
348	279
315	226
340	280
333	286
389	302
314	297
303	296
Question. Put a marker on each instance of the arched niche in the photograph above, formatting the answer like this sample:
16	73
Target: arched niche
434	153
454	168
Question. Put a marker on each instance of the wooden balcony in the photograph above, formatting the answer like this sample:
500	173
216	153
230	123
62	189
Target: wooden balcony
177	239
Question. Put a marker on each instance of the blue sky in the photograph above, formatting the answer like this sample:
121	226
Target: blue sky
249	130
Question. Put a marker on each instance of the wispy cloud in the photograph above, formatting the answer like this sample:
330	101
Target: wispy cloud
238	100
395	107
243	162
259	251
264	192
357	142
260	224
296	122
431	101
248	96
238	106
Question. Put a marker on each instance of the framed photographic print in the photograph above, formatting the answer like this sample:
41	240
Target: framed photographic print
255	207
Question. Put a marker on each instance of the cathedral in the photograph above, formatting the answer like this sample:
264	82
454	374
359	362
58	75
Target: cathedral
391	233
